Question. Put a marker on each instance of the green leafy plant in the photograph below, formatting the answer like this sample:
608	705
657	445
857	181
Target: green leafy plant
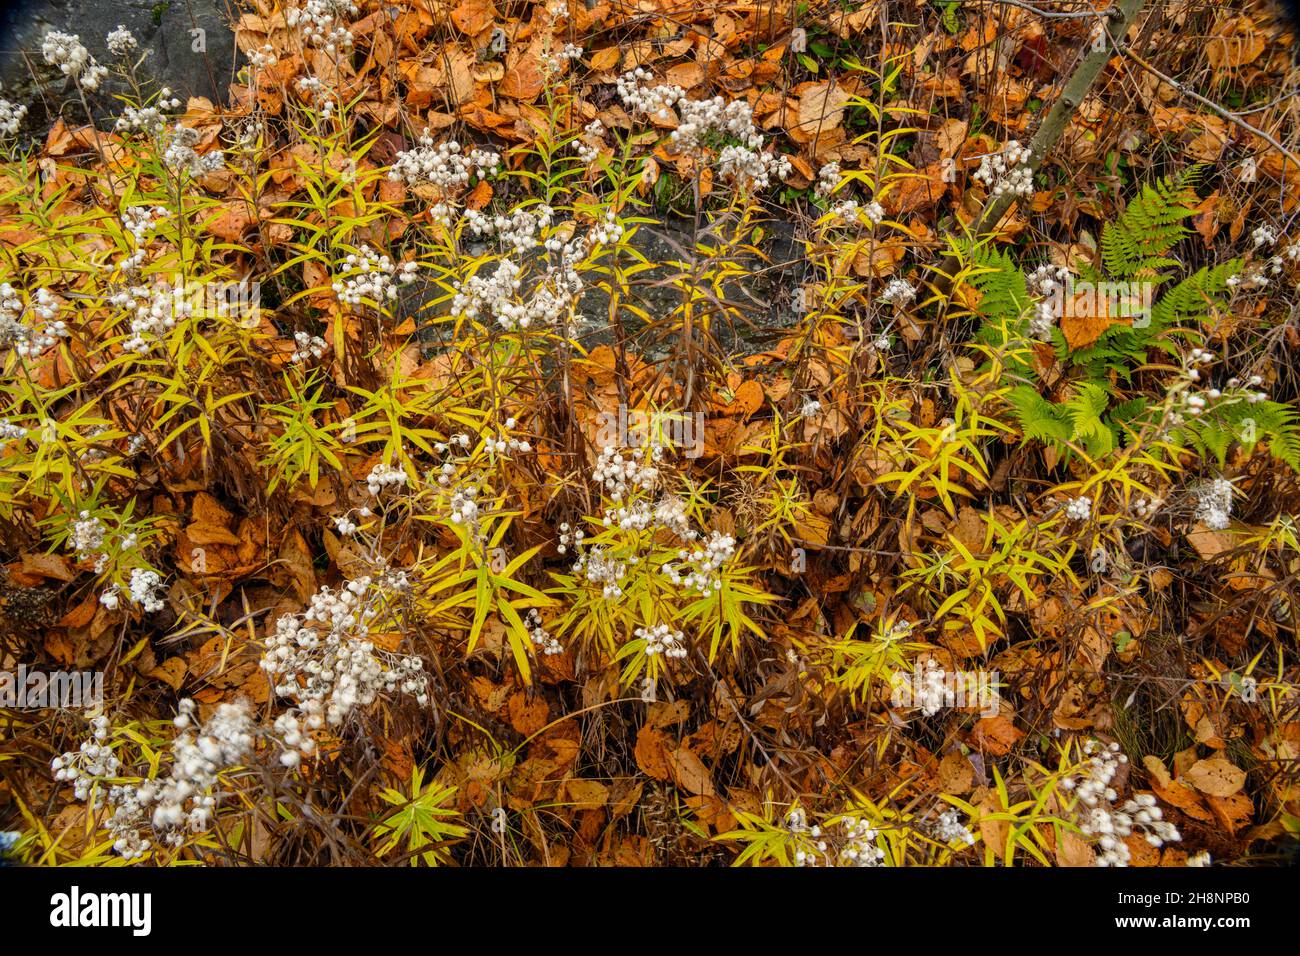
421	823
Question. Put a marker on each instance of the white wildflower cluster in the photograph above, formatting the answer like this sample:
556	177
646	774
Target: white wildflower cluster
89	769
949	828
1189	402
828	177
383	476
588	147
463	507
1263	236
898	292
662	639
121	42
180	156
93	762
929	688
873	211
1200	859
494	294
503	443
1146	508
144	591
1048	284
602	569
66	51
851	213
858	847
704	122
263	56
1195	358
11	117
811	408
250	133
1079	509
321	23
154	311
854	845
554	294
10	432
553	62
540	636
307	348
370	276
701	119
746	163
808	853
443	166
631	487
191	792
344	524
186	798
570	538
639	514
139	221
605	231
520	230
87	539
620	475
292	731
1214	504
654	101
129	821
752	168
1252	279
324	662
702	564
29	330
1260	274
144	588
1252	382
459	440
464	488
1007	171
671	512
313	90
1108	823
550	301
1047	280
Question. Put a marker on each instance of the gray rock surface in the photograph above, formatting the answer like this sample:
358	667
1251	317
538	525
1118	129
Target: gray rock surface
191	63
764	297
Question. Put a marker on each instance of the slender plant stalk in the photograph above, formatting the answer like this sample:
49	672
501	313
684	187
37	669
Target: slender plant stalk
1117	21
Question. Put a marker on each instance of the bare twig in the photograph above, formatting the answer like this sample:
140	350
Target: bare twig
1234	118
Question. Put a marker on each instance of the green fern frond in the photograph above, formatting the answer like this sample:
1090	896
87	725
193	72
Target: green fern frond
1140	240
1273	423
1039	419
1004	296
1192	298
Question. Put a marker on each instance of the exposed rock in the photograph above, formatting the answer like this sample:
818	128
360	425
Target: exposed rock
764	297
187	44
